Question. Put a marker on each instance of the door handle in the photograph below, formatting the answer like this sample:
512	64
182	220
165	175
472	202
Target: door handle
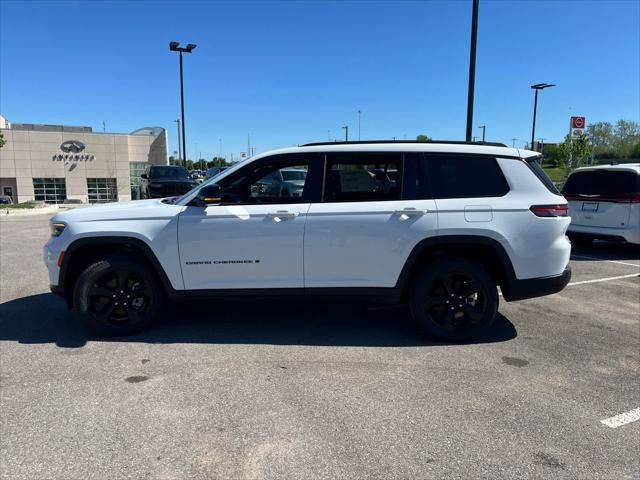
282	215
411	212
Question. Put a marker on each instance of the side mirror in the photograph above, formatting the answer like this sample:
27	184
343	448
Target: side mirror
210	195
145	176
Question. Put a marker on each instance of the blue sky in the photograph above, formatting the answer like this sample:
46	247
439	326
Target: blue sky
295	72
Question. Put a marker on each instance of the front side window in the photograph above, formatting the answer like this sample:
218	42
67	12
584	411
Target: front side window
276	181
363	177
465	176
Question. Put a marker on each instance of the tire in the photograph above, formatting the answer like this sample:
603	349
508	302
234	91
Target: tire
117	296
580	240
453	279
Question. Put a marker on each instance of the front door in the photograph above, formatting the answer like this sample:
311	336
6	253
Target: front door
254	239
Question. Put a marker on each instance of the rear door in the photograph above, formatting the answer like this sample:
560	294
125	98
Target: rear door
375	209
601	197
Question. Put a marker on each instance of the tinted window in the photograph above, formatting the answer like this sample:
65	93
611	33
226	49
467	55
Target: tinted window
362	177
415	185
539	172
602	182
465	176
169	173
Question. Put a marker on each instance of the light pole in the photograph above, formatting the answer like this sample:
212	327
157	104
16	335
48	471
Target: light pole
175	47
346	133
179	147
359	115
537	87
514	142
484	129
472	68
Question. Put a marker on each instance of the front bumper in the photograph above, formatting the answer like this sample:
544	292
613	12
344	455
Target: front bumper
536	287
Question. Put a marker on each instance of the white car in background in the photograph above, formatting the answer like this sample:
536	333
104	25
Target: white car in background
604	203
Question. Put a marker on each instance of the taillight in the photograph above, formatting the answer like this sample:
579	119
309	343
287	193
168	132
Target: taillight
550	210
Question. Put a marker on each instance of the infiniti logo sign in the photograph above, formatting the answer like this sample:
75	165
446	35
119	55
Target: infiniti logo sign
72	146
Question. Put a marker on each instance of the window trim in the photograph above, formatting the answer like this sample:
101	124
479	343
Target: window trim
325	171
485	157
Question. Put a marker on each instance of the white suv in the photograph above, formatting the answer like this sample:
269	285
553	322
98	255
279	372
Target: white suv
438	225
604	202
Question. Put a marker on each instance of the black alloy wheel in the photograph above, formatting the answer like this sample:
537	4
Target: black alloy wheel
454	299
117	295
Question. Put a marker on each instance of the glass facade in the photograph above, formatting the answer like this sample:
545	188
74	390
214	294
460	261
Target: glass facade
135	170
50	190
102	190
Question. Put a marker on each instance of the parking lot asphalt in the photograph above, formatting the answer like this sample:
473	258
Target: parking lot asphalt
314	390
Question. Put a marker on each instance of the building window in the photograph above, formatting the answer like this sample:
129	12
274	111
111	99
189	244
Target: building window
50	190
102	190
135	170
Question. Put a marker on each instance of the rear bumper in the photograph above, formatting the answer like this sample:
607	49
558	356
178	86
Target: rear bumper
631	235
536	287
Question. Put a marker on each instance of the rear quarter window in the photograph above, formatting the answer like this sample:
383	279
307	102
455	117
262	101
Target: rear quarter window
465	176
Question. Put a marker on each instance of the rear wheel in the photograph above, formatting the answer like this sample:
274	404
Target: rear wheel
453	299
117	295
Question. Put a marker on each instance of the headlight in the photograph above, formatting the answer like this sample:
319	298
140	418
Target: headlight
57	229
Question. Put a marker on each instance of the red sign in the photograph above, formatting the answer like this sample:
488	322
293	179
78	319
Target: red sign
578	122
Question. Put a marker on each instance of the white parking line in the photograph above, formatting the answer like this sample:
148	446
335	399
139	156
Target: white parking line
622	419
607	279
604	260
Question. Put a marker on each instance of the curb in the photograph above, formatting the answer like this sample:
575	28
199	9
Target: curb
10	212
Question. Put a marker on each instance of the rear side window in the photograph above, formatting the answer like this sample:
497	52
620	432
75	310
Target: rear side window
363	177
536	168
607	183
465	176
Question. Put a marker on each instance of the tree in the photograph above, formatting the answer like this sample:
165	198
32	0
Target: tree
573	153
2	140
423	138
217	162
627	135
189	164
602	139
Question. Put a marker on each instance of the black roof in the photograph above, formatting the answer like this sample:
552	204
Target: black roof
369	142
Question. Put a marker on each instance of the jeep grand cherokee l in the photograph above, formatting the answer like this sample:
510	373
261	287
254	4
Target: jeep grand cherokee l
437	225
160	181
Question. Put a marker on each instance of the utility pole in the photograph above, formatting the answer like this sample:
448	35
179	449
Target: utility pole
514	142
346	133
248	144
472	68
359	115
104	127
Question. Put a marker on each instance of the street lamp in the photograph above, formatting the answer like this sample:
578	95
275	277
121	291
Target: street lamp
484	129
537	87
175	47
346	133
359	115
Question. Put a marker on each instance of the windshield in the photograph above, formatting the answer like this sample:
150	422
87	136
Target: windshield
169	172
288	175
602	182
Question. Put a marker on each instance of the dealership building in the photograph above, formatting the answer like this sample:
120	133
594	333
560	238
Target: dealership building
61	163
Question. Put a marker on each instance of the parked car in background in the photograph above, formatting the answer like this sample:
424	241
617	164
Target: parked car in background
604	203
6	200
161	181
213	171
288	182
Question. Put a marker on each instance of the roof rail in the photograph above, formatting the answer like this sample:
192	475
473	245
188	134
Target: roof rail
366	142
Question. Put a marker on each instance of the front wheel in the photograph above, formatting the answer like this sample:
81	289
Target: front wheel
117	295
453	299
